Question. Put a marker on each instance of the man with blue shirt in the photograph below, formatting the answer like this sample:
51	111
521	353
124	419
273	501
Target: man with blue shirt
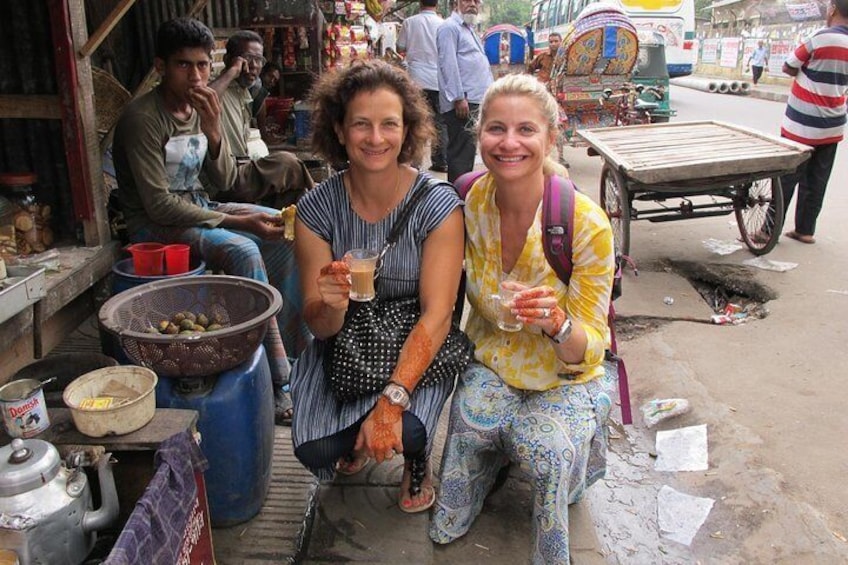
464	76
758	62
417	39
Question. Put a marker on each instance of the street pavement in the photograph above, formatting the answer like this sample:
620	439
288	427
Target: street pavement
357	518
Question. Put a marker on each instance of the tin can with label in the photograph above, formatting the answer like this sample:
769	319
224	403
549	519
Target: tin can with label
24	409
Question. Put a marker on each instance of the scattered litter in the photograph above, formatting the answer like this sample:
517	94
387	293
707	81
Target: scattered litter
481	546
720	247
680	516
733	314
668	301
360	524
840	537
770	264
717	535
842	292
683	449
655	411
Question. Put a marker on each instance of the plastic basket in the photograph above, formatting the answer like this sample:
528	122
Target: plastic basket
243	306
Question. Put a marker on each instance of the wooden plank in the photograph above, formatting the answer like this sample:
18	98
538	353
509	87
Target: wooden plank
105	28
165	423
17	343
707	169
31	107
762	153
66	78
80	268
727	150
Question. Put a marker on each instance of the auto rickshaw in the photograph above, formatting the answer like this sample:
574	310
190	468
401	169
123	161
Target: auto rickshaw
652	73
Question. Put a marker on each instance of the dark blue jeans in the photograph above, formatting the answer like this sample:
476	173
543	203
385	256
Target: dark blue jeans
326	451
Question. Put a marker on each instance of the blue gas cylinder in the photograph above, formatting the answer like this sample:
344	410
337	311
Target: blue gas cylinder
236	424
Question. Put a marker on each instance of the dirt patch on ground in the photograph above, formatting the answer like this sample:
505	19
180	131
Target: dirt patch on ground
731	291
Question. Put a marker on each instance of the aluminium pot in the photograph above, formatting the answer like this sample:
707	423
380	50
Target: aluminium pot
46	513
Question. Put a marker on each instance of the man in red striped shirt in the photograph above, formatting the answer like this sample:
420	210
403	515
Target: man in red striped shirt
816	114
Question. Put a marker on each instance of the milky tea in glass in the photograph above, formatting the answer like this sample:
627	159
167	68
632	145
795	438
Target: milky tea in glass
362	263
506	293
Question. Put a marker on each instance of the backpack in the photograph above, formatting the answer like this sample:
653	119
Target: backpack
557	238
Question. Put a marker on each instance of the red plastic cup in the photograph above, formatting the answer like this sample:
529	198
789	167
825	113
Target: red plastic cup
177	258
147	258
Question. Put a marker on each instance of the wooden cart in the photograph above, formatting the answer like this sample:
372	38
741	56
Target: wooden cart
693	170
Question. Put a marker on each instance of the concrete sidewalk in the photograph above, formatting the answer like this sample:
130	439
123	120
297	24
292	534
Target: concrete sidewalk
357	520
773	92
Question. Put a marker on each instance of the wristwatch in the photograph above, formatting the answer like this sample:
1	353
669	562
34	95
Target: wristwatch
397	395
563	334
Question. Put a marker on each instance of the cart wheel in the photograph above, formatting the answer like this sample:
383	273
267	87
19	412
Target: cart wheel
759	213
616	203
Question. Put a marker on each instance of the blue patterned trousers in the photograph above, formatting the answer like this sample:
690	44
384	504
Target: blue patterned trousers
558	434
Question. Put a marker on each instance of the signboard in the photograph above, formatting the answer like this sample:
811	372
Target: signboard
778	52
709	51
804	11
729	51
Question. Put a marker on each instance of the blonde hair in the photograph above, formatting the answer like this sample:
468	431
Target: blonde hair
530	87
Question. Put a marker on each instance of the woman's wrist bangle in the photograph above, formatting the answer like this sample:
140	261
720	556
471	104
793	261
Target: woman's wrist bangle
564	332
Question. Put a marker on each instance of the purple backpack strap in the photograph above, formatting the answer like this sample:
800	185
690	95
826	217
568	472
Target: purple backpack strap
558	223
464	182
558	235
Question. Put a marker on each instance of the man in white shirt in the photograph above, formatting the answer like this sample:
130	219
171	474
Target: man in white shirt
417	39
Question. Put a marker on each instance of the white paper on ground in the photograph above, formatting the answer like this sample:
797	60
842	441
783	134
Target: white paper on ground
769	264
721	247
680	515
683	449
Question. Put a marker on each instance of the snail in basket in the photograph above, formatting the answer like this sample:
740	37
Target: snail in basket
188	323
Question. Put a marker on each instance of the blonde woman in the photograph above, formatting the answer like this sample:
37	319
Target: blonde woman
537	397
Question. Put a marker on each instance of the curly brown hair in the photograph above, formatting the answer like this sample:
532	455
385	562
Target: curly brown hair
332	92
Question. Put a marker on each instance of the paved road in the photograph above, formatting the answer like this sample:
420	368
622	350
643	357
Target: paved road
770	392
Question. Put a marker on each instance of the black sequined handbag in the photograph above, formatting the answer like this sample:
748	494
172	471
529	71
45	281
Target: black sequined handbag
361	358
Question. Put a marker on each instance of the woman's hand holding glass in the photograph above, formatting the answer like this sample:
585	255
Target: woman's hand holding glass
537	306
334	285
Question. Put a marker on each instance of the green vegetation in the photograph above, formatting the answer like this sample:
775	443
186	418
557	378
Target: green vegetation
515	12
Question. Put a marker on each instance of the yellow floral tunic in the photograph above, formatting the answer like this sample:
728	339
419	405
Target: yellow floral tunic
526	359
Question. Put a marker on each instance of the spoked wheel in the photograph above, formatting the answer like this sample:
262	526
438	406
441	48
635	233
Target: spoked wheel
616	203
759	213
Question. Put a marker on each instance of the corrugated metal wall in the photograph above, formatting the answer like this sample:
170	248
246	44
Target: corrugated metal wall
27	67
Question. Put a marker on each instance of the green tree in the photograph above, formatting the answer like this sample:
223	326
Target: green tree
515	12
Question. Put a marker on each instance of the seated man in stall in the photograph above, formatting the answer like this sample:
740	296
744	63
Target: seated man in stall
269	77
277	179
163	141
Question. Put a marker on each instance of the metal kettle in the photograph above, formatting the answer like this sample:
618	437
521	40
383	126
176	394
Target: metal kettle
46	513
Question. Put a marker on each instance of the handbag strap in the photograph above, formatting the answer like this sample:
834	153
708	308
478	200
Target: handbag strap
403	218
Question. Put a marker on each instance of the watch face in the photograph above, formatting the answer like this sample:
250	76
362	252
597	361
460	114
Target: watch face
396	396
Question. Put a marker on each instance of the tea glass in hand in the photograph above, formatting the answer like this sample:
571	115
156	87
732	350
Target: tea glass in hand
506	294
363	264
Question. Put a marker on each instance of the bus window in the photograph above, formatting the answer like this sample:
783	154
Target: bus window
556	14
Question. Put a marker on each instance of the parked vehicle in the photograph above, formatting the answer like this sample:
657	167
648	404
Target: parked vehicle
652	73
